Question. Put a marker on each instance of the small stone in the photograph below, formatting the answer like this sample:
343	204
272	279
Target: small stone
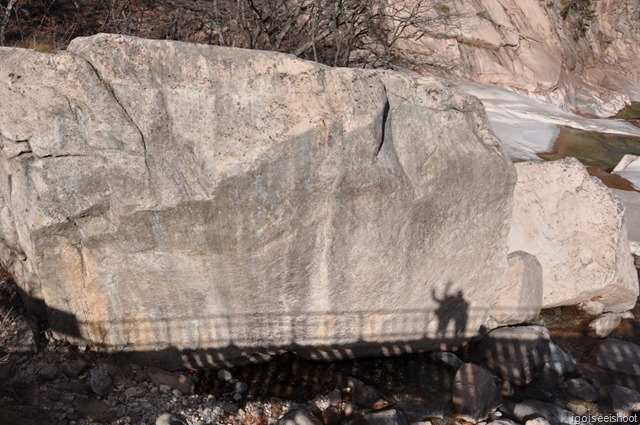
536	410
73	368
537	421
385	417
582	389
47	371
134	392
241	387
224	375
447	359
174	380
560	362
165	389
298	417
177	393
169	419
366	396
592	308
100	380
603	325
627	315
624	401
237	397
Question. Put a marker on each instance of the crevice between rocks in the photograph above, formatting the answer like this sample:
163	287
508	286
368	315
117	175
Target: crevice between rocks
385	119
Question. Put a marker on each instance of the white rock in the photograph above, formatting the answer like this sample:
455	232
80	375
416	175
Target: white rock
604	324
519	298
592	308
575	228
234	203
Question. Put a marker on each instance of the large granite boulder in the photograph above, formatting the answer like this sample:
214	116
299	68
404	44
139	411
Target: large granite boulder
575	227
162	195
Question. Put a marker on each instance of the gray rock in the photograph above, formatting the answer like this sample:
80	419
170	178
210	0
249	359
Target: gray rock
174	380
158	205
100	380
383	417
537	421
169	419
47	371
240	387
298	417
560	362
135	392
582	389
475	394
502	422
618	356
366	396
624	401
592	308
603	325
532	409
518	354
74	367
447	358
224	375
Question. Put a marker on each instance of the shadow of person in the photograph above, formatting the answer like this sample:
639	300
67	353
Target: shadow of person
452	313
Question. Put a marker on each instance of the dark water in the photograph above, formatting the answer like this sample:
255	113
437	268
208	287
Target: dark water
593	148
631	112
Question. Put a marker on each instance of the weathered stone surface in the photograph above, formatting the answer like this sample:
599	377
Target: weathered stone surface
181	196
475	393
575	228
516	353
520	295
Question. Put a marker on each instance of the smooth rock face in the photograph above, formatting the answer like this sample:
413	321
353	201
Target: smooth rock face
161	195
520	296
575	228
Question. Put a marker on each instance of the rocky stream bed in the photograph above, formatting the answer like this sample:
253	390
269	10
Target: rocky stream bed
513	375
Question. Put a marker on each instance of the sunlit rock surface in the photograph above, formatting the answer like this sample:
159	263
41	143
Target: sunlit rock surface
161	195
575	227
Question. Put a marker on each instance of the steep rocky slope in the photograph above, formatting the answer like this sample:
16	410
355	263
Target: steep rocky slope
580	55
